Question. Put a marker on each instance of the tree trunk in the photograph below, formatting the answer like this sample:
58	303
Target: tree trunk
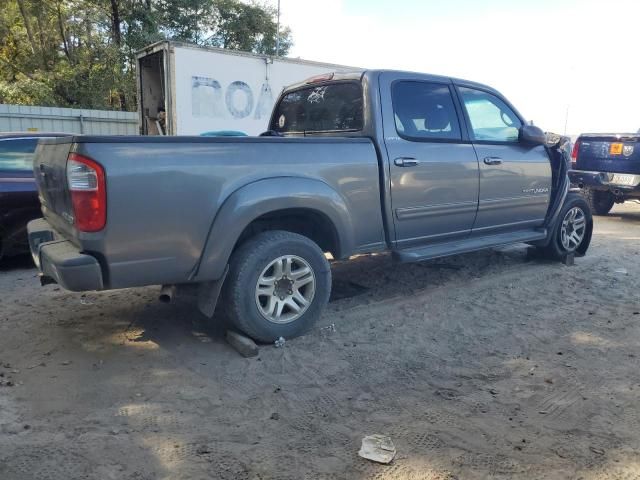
116	34
115	23
123	101
148	25
65	44
27	25
39	9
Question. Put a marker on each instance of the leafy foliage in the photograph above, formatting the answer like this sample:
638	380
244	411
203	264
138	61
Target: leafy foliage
81	53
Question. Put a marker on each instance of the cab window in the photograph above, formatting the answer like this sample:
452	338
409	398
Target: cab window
424	111
332	107
491	119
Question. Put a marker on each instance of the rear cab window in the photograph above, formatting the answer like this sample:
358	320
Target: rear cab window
16	155
327	108
425	111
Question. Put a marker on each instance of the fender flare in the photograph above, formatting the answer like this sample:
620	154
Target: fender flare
256	199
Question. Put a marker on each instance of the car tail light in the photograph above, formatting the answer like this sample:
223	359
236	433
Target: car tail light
574	153
87	185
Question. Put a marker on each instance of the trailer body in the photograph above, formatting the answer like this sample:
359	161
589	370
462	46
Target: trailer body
205	89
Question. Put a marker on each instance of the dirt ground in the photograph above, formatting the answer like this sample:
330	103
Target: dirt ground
487	365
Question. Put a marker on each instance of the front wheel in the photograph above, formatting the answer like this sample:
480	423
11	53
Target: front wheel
278	284
573	229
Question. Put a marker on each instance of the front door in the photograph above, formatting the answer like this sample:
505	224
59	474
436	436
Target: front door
433	171
515	178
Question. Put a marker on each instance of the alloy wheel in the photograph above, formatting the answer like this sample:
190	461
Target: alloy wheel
573	228
285	289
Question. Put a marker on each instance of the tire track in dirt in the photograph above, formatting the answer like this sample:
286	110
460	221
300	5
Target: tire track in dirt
454	359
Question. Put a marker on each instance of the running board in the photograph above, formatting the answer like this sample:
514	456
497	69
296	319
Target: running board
466	245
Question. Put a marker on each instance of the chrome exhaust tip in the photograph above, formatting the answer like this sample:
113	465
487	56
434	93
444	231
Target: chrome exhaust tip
167	293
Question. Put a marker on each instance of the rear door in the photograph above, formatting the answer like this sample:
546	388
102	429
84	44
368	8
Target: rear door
433	169
515	178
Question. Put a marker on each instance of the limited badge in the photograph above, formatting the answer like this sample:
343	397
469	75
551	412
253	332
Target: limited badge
627	150
281	121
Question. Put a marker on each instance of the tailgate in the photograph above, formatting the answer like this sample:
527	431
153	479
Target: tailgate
608	153
50	165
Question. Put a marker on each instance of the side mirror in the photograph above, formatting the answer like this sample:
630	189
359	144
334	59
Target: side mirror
532	135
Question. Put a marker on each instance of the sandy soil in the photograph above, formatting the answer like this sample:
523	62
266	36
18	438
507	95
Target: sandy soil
490	365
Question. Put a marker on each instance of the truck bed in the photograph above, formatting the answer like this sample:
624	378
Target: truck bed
166	192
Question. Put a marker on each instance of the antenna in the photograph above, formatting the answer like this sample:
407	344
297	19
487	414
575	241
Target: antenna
278	32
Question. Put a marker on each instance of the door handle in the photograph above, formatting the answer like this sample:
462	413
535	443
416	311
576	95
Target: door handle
405	162
492	160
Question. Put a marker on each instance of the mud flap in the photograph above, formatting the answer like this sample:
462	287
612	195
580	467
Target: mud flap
208	293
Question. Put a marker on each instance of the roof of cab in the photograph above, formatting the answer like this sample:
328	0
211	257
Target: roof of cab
359	74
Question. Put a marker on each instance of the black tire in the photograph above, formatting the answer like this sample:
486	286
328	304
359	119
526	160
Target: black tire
246	266
555	249
3	242
600	201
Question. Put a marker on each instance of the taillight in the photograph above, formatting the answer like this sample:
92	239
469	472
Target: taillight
574	153
88	193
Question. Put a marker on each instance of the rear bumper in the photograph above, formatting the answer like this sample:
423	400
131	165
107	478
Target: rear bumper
603	181
61	261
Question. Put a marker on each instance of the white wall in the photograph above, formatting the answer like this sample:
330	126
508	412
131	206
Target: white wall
218	91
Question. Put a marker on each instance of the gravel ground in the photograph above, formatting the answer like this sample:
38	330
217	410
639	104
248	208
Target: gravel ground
488	365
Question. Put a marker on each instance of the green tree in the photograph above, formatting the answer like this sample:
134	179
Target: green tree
81	53
248	27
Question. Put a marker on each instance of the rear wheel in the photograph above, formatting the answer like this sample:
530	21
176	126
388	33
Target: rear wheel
600	201
573	229
278	284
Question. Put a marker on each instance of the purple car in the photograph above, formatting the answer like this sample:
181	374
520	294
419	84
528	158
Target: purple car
18	194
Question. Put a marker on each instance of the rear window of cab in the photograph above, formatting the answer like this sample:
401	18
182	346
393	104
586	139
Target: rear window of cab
332	107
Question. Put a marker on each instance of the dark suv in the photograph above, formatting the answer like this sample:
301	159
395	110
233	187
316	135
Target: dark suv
607	169
18	194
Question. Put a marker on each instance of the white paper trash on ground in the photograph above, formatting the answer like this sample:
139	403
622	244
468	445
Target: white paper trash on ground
378	448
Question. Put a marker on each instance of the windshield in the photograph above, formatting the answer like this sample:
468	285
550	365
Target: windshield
334	107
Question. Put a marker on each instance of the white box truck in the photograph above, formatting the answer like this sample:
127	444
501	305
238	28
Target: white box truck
185	89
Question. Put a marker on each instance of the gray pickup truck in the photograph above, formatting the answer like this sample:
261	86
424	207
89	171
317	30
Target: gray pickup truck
419	165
